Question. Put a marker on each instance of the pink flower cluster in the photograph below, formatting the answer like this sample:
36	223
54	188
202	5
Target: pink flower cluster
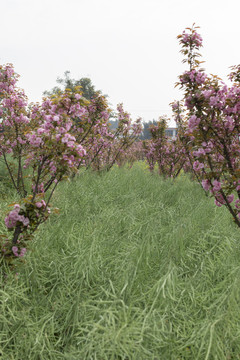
15	251
193	122
8	78
14	217
40	204
191	39
193	76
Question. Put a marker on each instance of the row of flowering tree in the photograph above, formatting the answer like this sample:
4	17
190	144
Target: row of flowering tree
168	154
211	126
208	120
42	144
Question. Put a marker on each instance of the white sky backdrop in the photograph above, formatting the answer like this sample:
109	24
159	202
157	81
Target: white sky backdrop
127	47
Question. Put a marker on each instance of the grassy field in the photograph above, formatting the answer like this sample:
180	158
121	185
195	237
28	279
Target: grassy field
134	267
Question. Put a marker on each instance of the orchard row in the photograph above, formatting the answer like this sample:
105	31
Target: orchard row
43	144
208	140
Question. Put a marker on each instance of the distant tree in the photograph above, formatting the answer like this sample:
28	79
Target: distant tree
146	134
66	82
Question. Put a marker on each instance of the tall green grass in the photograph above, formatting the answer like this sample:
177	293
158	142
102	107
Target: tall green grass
134	267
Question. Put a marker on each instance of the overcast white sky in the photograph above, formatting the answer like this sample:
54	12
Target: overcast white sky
127	47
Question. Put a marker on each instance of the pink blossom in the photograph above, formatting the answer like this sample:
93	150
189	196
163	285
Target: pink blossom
217	203
15	250
230	198
206	184
198	166
229	124
237	204
216	185
17	207
193	122
213	101
25	221
23	252
56	118
40	131
207	93
39	205
199	152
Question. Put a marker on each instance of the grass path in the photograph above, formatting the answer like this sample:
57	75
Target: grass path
132	268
